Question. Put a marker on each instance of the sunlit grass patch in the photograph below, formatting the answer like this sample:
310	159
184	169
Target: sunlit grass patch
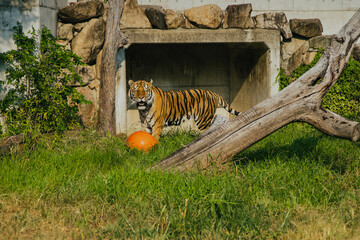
87	186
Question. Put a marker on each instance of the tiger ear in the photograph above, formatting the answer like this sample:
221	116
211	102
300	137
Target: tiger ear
151	81
131	82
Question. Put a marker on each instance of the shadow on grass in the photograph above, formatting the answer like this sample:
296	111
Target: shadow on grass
333	153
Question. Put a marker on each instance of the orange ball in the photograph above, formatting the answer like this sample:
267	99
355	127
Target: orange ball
141	140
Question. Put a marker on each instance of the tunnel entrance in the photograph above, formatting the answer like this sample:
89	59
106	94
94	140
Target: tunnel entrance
237	64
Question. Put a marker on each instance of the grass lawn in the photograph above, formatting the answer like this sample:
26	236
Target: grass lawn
295	184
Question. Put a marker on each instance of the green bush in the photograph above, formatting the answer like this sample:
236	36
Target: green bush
344	97
39	96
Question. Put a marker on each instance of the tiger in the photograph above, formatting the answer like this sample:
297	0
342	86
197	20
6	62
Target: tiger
158	108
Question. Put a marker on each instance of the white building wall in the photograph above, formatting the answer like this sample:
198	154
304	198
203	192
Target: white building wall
332	13
31	14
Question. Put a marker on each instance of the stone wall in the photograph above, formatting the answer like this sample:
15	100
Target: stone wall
81	28
339	10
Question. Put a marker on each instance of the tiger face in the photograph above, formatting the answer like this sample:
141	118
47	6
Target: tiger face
141	93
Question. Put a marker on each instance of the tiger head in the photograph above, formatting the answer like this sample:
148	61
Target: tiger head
141	93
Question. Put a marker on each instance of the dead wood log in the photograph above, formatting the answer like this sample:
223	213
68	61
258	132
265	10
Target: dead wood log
300	101
113	41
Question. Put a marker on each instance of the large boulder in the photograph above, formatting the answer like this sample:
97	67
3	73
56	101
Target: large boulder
308	57
188	25
65	31
273	20
207	16
293	54
79	26
238	16
173	19
319	42
133	16
156	17
98	64
87	73
88	112
289	47
306	27
81	11
88	43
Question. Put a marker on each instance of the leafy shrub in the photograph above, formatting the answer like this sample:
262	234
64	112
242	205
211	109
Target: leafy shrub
344	97
39	95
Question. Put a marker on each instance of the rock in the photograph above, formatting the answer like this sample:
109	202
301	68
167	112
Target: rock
81	11
65	31
144	7
98	65
238	16
306	27
188	25
293	56
273	20
207	16
133	16
308	57
64	43
88	43
173	19
288	48
86	72
356	52
79	26
88	112
156	17
319	42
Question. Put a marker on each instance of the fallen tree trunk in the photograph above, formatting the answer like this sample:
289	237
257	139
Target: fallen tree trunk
300	101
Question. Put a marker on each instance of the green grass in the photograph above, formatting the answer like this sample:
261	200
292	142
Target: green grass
295	184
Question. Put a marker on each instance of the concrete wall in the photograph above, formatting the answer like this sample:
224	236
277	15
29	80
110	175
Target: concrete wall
332	13
31	14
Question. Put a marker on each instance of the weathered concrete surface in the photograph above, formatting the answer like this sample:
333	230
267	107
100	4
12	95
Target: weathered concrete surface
31	13
241	65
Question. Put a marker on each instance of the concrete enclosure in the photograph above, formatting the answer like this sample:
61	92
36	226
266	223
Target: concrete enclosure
240	65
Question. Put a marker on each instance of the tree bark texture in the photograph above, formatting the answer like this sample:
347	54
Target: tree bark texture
300	101
113	41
